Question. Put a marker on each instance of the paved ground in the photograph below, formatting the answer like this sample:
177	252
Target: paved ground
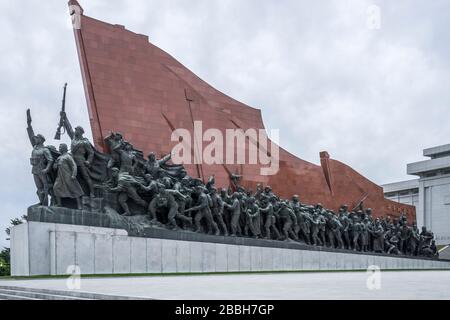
297	286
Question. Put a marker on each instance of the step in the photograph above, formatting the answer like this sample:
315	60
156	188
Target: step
72	294
37	295
14	297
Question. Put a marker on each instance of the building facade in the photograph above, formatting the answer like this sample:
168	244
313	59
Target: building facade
430	193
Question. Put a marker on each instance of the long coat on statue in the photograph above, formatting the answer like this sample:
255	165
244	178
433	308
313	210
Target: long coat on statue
65	186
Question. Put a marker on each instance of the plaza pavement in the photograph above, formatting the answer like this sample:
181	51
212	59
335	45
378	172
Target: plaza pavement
295	286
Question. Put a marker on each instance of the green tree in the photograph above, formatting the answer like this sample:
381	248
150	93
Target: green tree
5	263
14	222
5	256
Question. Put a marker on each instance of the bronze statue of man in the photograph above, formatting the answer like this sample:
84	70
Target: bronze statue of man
346	223
128	160
336	228
405	234
66	184
123	154
392	244
203	211
414	240
82	152
378	237
217	210
425	241
322	223
165	200
270	219
253	218
365	234
235	213
288	220
356	232
41	163
315	222
127	186
296	206
160	168
329	229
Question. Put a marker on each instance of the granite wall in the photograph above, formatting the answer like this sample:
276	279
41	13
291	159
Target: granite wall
50	249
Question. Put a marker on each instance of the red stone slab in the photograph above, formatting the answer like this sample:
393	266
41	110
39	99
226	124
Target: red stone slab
135	88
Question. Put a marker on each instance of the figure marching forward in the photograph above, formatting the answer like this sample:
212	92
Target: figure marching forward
66	184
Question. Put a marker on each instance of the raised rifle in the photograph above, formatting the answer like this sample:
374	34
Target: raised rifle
61	120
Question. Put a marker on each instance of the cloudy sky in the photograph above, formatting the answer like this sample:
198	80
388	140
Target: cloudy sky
319	70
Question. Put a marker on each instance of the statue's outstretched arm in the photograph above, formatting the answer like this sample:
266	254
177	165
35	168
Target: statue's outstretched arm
117	189
165	159
68	126
30	130
177	194
202	205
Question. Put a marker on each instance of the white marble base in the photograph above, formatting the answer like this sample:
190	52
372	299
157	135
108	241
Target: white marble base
50	249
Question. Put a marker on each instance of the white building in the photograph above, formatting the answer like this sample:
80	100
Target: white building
430	194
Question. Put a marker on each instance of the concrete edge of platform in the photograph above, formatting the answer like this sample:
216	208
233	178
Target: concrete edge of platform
194	274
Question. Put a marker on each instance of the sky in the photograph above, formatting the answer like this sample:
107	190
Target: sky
367	81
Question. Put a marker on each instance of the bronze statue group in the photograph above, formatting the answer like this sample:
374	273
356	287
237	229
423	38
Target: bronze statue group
170	198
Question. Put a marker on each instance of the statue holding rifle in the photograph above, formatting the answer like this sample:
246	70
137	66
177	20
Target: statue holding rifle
61	120
83	152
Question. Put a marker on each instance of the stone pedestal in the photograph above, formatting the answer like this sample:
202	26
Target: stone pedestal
50	249
94	205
